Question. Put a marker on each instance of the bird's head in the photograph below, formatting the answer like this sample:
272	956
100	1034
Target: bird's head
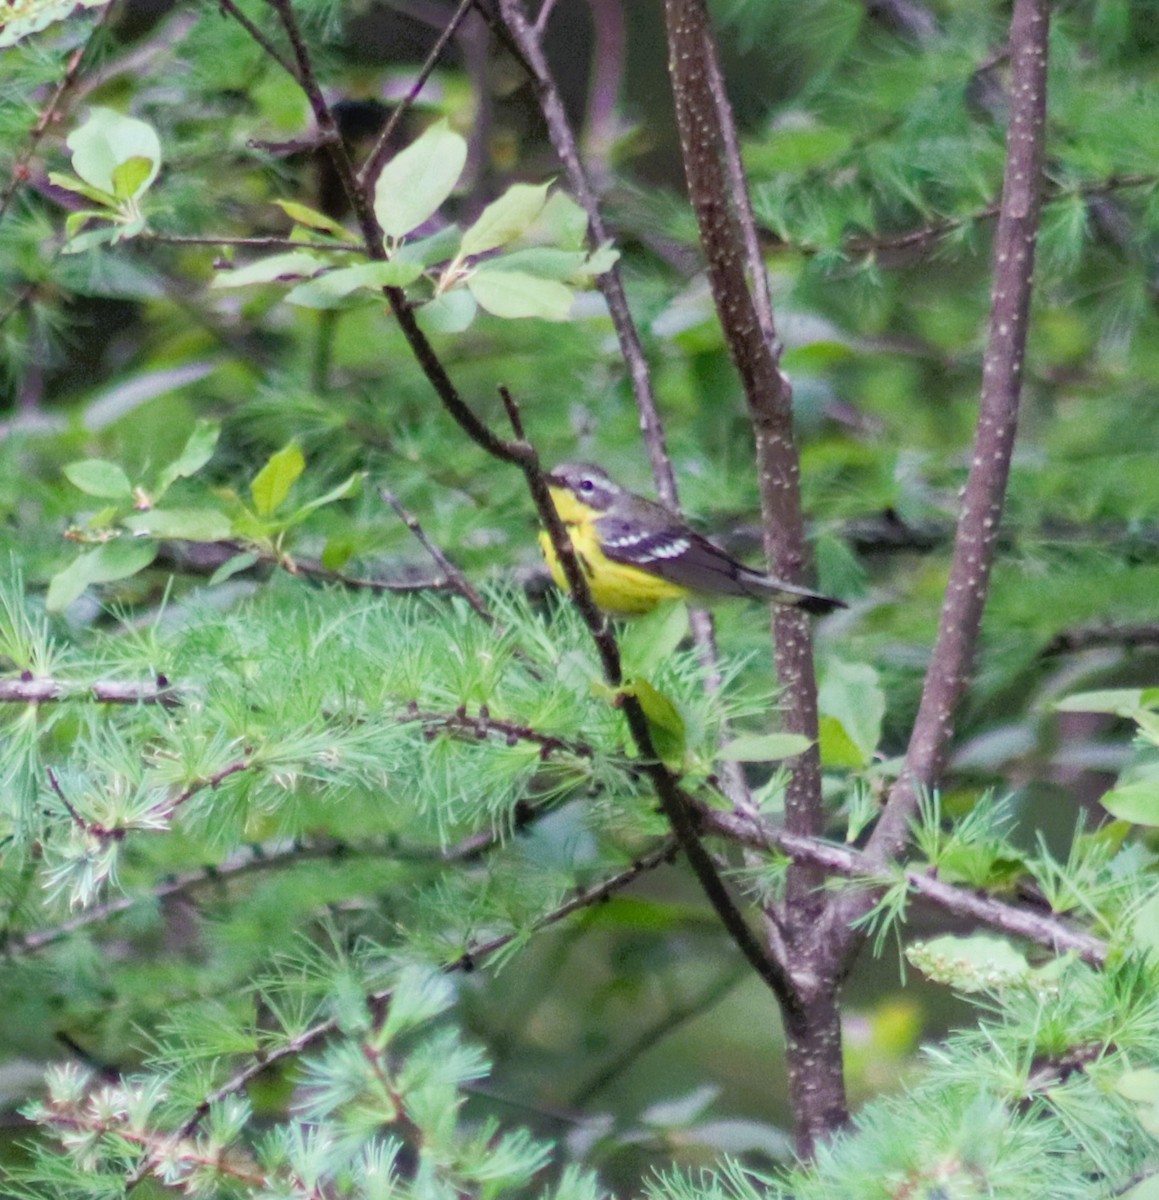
579	487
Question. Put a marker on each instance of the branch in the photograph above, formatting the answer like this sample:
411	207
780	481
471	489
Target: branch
454	577
377	156
49	114
1050	932
1092	637
477	953
977	533
527	39
30	689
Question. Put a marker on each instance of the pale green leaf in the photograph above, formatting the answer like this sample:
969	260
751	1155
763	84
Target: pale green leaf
1134	802
71	183
334	288
412	186
503	220
271	485
438	248
231	566
851	694
565	221
348	487
297	264
189	524
665	723
452	312
96	477
764	747
131	177
107	140
104	564
515	295
649	641
1122	702
198	450
302	214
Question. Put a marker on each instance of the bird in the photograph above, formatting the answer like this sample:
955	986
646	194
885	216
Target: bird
635	553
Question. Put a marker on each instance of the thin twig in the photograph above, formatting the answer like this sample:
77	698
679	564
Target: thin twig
475	954
1046	931
377	155
247	243
229	7
50	113
454	577
31	689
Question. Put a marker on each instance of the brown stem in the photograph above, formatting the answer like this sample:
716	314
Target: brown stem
977	532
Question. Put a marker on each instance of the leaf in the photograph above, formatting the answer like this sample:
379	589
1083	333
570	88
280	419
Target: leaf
337	552
189	524
295	265
851	694
1145	1189
96	477
546	262
333	289
131	177
515	295
665	723
503	220
1145	926
565	221
452	312
71	183
764	747
348	487
1134	802
650	640
838	750
302	214
231	566
107	563
439	247
271	485
198	450
412	186
108	140
1122	702
977	963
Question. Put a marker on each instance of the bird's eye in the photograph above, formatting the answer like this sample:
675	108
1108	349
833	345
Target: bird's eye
587	485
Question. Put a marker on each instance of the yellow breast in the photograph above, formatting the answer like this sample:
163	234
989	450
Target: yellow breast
615	587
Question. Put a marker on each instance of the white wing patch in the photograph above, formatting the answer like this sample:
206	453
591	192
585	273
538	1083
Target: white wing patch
666	549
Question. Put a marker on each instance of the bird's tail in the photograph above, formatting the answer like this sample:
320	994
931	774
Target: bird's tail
768	587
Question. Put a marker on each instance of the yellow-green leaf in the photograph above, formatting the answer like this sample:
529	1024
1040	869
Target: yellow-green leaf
271	485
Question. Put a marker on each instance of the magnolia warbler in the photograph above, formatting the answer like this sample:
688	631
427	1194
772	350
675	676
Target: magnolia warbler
635	553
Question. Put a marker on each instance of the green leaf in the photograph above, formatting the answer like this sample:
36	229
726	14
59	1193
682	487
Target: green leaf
665	723
977	963
851	695
337	552
1145	926
1146	1189
231	566
452	312
189	524
764	747
439	247
302	214
96	477
271	485
112	561
412	186
649	641
565	221
546	262
295	265
131	177
108	140
1122	702
348	487
515	294
71	183
333	289
503	220
1134	802
198	450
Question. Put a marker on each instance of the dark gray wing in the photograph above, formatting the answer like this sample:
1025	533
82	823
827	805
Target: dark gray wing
678	554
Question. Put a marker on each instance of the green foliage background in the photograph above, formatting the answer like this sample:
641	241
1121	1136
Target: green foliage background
626	1038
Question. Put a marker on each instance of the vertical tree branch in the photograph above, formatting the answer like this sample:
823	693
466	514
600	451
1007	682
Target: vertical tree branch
977	533
716	186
